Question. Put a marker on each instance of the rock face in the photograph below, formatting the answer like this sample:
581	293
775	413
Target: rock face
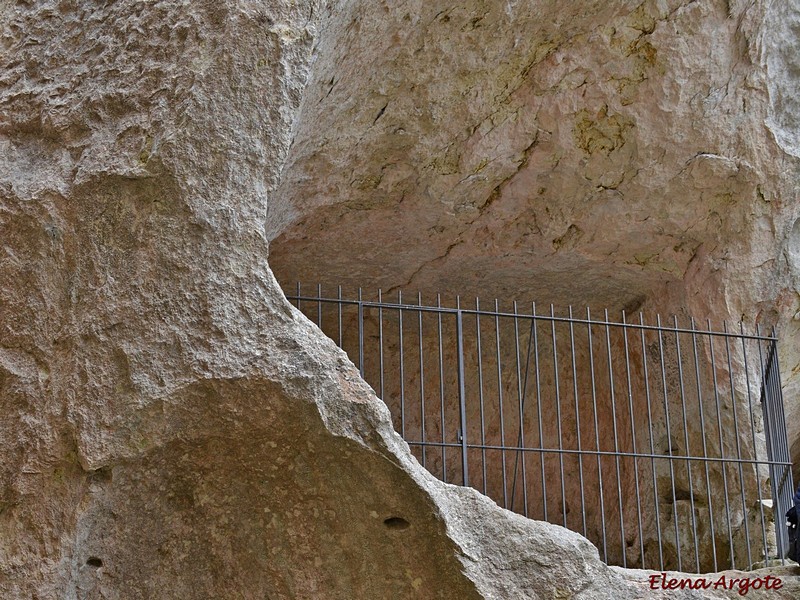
637	155
171	427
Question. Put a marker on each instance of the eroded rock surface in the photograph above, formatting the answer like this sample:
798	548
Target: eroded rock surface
170	426
636	155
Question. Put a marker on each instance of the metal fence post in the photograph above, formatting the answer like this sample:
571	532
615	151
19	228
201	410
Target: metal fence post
462	397
774	430
360	334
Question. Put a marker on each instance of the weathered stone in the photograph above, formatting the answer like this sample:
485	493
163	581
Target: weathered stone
637	155
170	426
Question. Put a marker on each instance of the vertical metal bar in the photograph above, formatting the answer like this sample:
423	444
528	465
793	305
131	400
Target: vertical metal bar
738	447
755	445
774	399
339	311
778	397
771	402
704	445
480	390
441	389
319	305
402	367
616	438
577	417
421	381
558	415
298	295
633	436
669	441
521	425
652	446
360	334
767	416
380	340
539	408
597	435
521	436
500	401
462	401
723	464
786	485
686	442
786	488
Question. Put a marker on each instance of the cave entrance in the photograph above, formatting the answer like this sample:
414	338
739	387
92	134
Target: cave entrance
641	436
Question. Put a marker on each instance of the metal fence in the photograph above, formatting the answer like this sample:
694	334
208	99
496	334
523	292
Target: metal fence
645	438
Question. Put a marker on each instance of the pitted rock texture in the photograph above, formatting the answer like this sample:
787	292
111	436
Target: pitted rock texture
170	426
636	155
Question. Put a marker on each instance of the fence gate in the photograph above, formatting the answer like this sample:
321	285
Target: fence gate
642	437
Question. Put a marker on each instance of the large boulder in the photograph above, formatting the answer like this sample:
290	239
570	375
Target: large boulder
171	427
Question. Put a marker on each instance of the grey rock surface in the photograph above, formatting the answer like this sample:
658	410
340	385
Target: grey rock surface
170	427
622	155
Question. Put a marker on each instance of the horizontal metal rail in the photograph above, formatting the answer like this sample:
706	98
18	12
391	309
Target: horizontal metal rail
643	455
542	317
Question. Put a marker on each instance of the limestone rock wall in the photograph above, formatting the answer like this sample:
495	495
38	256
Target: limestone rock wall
636	155
171	427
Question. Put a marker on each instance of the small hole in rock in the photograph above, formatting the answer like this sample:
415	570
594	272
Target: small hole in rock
101	475
680	494
94	562
397	523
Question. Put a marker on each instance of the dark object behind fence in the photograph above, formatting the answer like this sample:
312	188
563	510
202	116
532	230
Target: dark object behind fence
644	438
